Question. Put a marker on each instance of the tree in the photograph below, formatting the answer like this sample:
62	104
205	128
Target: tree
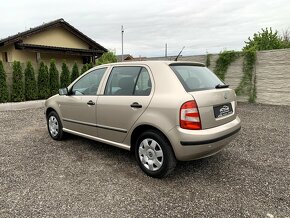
30	83
53	78
84	68
43	82
106	58
265	40
64	76
75	72
17	83
4	95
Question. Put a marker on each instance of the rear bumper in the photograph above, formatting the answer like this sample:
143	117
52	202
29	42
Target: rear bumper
195	144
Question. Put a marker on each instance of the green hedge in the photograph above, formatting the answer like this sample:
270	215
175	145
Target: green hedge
43	82
25	87
64	76
53	78
17	93
4	94
75	72
30	83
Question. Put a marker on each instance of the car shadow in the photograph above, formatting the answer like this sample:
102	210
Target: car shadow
207	168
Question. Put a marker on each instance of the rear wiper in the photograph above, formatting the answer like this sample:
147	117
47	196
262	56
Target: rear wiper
221	86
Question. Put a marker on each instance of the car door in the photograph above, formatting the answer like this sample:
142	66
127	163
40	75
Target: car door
78	109
126	96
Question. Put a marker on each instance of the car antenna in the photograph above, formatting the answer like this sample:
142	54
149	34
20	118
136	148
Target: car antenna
179	54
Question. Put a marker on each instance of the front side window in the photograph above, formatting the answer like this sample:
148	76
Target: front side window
89	84
128	81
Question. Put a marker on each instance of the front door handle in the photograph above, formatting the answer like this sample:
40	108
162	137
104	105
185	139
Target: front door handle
91	102
136	105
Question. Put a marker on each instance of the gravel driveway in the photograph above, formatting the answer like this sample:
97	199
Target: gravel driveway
81	178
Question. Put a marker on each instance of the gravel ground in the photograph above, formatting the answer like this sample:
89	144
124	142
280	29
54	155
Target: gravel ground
81	178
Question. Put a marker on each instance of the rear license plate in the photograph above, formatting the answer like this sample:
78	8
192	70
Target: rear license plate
222	110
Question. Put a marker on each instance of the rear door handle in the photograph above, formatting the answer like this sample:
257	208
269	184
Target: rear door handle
136	105
91	102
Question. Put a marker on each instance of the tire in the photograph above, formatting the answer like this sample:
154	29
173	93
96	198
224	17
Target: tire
154	154
54	126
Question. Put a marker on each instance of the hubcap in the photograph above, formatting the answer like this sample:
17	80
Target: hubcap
151	154
53	126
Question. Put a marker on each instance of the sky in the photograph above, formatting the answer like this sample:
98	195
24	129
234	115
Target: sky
200	25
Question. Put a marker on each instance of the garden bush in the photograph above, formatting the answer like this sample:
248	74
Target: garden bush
75	72
4	95
43	82
53	78
64	76
30	83
84	68
17	93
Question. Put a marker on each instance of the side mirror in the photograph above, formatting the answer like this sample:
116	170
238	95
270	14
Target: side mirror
63	91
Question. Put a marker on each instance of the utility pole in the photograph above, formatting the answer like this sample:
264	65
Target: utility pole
165	50
122	34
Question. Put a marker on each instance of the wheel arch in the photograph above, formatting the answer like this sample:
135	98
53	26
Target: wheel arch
48	110
142	128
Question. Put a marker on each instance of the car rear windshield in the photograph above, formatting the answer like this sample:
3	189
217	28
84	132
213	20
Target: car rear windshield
195	78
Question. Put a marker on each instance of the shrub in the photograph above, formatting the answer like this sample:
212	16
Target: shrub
17	83
84	68
43	82
4	95
90	65
106	58
53	78
64	76
265	40
75	72
30	83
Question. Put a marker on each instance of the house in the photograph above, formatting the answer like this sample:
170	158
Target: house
126	57
54	40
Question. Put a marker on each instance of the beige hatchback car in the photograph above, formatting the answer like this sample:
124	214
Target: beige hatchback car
163	111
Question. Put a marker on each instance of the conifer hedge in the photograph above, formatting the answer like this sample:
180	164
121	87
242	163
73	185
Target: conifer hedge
4	95
84	68
17	83
30	83
43	82
64	76
90	65
53	78
75	72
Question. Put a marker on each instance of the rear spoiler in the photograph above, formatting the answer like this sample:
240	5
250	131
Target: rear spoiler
187	64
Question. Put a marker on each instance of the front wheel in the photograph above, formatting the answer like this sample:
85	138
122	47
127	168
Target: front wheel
54	126
154	154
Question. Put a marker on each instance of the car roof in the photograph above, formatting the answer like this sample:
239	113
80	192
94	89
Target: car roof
150	63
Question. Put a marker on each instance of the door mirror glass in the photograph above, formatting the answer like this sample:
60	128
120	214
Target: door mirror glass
63	91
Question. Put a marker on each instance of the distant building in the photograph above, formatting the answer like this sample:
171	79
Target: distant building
54	40
126	57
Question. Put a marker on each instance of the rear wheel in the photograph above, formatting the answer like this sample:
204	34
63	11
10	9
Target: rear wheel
154	154
54	126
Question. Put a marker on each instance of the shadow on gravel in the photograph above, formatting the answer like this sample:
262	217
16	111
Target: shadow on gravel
206	168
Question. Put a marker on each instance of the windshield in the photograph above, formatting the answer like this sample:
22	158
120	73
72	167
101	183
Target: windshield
194	78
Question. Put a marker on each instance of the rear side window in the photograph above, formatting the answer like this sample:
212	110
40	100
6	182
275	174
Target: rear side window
128	81
194	78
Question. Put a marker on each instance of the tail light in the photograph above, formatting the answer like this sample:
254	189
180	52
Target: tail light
189	116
